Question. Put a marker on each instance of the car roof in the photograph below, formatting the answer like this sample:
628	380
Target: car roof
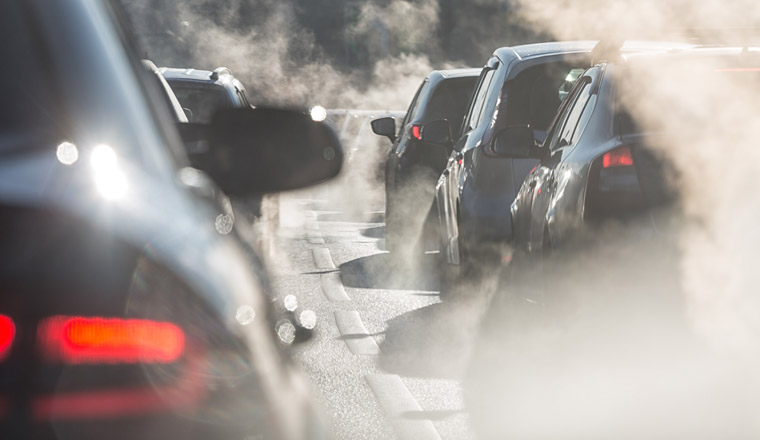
190	74
536	50
437	76
458	73
528	51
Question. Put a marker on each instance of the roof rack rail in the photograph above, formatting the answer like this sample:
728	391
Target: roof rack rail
220	71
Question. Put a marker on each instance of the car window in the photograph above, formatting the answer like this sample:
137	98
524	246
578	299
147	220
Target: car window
449	101
410	113
588	109
534	96
574	115
477	108
202	100
557	125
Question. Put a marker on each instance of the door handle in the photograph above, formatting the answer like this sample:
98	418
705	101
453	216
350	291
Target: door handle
446	172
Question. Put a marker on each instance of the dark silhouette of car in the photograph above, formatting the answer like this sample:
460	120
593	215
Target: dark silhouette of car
413	166
131	307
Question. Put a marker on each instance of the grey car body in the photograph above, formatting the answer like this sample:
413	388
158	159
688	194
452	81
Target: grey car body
573	188
518	85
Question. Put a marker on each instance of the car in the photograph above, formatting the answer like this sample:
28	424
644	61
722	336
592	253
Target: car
203	92
518	85
131	307
412	166
597	164
613	291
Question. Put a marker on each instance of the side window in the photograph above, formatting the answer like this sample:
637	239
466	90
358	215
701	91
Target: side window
588	108
574	116
557	127
477	108
412	107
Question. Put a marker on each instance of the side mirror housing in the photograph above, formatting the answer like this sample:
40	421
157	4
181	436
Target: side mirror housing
437	132
385	127
515	142
253	151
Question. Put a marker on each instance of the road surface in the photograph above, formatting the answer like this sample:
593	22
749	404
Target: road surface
389	355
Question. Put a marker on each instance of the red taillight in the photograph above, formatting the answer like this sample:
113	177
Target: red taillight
78	340
417	132
619	157
7	333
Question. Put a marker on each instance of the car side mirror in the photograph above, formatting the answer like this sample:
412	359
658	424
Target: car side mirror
515	142
437	132
263	150
385	127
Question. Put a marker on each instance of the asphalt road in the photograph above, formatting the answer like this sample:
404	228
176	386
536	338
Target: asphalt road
388	357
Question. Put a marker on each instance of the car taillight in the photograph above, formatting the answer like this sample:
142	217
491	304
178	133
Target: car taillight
7	334
78	340
416	132
619	157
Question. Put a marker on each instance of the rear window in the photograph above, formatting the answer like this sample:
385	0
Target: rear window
202	100
449	101
534	96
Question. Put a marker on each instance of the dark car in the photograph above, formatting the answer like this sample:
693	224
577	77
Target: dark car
413	166
597	164
130	306
521	85
203	92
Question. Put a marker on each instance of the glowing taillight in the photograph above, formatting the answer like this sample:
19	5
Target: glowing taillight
79	340
7	334
619	157
417	132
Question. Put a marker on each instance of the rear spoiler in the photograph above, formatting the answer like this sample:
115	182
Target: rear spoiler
606	51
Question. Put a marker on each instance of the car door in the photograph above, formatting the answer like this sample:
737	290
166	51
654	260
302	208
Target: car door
542	183
449	182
